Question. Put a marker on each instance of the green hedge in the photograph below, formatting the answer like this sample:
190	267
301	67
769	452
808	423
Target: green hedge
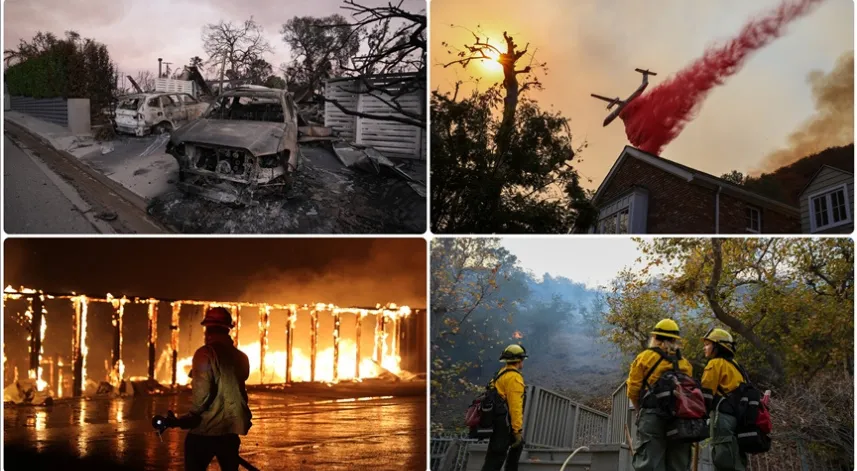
45	76
66	70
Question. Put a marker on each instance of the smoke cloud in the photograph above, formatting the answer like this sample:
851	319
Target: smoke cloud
832	124
392	270
653	120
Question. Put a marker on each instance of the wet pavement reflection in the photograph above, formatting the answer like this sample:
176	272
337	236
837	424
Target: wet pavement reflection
289	432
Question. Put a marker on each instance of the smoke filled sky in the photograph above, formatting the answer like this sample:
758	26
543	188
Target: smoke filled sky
594	262
593	46
138	32
346	272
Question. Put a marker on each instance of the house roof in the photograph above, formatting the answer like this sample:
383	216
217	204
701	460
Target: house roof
814	175
691	175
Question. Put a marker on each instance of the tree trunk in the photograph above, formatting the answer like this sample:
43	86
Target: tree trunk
503	138
222	71
775	360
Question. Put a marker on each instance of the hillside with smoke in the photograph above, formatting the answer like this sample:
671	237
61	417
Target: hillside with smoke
833	123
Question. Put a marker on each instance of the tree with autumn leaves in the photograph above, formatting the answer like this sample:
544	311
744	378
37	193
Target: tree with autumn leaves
475	291
789	304
788	301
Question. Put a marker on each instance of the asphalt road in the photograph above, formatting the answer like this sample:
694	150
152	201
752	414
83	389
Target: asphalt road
32	202
107	205
288	433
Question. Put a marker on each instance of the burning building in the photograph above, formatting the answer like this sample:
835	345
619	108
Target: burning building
286	343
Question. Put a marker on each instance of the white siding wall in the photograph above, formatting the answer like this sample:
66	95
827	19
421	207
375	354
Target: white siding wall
172	85
333	117
390	138
827	178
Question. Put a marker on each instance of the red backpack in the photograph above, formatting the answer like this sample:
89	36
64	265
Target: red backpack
677	397
487	410
674	394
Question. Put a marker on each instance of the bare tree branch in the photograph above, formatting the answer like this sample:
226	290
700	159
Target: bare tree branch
711	294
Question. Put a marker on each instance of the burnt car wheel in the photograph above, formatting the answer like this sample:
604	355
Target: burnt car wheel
287	184
162	128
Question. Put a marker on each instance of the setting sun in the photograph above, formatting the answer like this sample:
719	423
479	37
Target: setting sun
492	65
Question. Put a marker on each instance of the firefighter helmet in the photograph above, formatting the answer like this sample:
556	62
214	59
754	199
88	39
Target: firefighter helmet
513	353
218	316
666	328
721	337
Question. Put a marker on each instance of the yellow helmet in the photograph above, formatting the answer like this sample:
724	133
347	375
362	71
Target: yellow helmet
666	328
721	337
513	353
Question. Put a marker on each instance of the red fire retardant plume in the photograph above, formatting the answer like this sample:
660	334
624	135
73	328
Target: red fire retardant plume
654	119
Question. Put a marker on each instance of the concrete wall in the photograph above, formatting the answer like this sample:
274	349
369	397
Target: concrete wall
78	115
73	113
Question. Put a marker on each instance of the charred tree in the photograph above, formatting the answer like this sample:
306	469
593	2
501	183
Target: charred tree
394	65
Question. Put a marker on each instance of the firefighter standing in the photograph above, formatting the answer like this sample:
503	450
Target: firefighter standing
719	379
507	440
652	451
219	413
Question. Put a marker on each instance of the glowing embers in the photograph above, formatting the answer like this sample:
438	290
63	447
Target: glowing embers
78	342
36	323
117	372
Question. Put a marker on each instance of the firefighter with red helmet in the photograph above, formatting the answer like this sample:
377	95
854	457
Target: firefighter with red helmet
219	412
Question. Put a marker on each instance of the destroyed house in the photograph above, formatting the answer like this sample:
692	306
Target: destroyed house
647	194
391	138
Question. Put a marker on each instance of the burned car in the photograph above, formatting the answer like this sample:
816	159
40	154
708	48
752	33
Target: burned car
244	146
146	113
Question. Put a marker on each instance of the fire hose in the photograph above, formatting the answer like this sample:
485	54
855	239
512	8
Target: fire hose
565	463
161	424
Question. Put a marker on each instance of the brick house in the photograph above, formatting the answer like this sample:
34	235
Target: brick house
647	194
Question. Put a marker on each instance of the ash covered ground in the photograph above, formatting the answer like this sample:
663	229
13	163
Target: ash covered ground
326	197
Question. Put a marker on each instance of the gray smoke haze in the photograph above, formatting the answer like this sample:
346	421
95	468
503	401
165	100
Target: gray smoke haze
831	125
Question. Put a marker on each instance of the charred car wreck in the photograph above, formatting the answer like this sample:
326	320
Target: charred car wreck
157	113
243	147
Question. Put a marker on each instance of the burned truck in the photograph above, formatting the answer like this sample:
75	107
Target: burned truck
244	147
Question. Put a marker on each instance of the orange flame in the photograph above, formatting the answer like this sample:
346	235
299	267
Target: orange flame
275	365
274	368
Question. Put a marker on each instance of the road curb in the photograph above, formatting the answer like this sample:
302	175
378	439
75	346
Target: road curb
67	191
117	190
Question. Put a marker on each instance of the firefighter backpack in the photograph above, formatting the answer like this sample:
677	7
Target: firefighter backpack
488	410
754	418
678	398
